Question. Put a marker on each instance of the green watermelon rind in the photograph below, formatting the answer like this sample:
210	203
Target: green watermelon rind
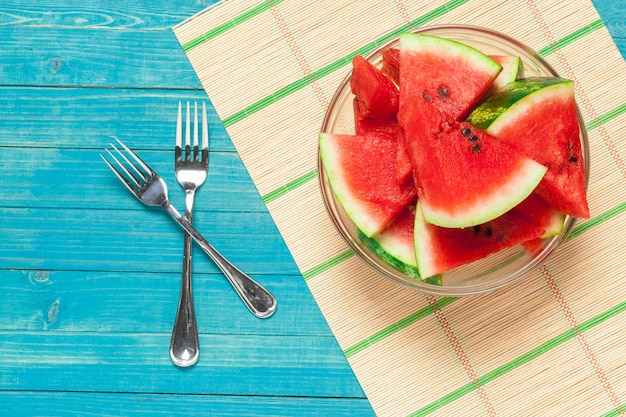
396	248
516	98
421	242
555	227
443	46
501	200
384	255
512	70
393	261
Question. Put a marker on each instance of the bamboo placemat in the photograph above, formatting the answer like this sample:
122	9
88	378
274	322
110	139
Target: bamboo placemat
552	344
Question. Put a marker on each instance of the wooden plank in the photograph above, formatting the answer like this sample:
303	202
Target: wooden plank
79	179
145	302
68	57
110	404
241	364
135	240
89	117
106	14
89	295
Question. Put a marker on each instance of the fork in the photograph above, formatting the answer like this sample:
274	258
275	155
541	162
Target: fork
149	188
191	166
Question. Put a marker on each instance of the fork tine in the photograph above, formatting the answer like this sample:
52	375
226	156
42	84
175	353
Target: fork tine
129	175
119	175
187	133
195	124
205	128
149	172
195	130
179	126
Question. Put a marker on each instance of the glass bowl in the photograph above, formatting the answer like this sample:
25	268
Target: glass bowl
495	271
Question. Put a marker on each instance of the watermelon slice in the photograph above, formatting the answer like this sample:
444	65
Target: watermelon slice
512	70
375	108
376	96
391	64
537	211
361	173
397	238
449	74
464	177
538	117
439	249
395	245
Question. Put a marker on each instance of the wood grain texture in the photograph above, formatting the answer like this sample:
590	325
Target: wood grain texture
138	362
110	302
118	404
87	118
90	277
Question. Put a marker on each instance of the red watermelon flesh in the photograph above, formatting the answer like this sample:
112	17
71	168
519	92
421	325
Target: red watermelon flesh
537	211
439	249
538	117
376	96
512	68
463	176
361	173
389	128
404	167
391	64
533	246
449	74
367	84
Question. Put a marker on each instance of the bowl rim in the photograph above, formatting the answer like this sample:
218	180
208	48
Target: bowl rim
395	275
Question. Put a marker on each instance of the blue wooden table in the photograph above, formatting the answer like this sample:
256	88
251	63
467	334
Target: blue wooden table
90	278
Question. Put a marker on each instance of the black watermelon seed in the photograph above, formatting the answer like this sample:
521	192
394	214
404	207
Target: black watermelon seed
466	132
474	138
573	159
443	92
476	148
426	96
488	232
476	229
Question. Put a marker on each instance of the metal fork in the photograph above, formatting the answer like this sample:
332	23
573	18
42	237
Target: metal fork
191	165
145	184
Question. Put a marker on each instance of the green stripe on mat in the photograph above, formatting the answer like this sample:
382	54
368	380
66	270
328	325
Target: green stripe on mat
521	360
218	30
279	192
619	209
325	266
571	38
614	413
605	118
271	196
322	72
397	326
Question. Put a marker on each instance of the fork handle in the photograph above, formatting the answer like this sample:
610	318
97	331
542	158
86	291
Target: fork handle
185	344
259	300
